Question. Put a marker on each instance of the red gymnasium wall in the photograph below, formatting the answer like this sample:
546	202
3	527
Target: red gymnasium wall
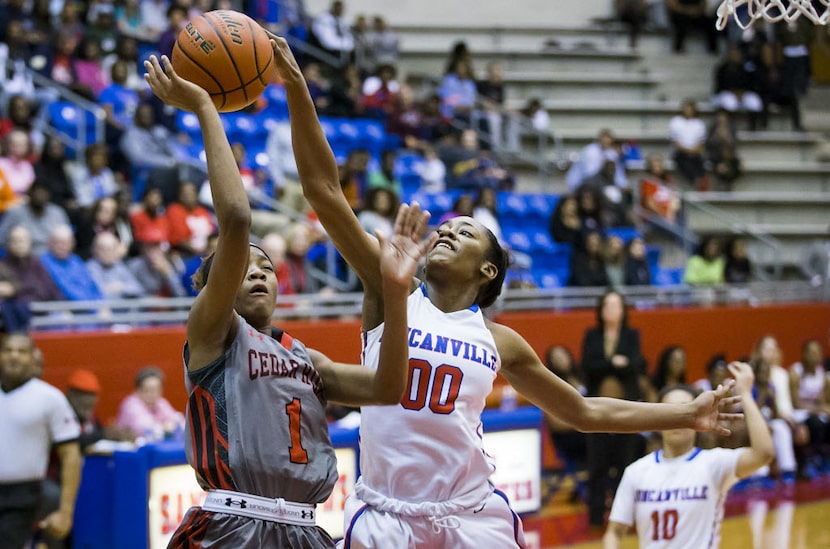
116	357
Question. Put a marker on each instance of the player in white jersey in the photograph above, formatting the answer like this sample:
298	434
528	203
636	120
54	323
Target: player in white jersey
674	496
257	432
426	477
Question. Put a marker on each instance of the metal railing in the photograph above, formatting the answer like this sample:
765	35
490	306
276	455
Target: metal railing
769	243
128	314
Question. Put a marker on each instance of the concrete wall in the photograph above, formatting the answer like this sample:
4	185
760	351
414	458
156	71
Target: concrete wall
536	13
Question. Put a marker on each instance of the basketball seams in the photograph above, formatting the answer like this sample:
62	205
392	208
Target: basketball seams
204	70
256	57
210	22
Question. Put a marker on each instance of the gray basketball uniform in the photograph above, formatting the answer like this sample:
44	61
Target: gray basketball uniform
256	423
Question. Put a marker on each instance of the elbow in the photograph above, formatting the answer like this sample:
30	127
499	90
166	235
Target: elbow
766	454
237	216
585	418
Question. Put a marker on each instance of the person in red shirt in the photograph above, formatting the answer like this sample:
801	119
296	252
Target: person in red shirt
150	223
189	222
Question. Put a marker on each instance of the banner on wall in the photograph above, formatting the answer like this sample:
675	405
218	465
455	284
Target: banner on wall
174	490
518	458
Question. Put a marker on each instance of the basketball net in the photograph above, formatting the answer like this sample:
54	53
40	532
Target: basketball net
772	11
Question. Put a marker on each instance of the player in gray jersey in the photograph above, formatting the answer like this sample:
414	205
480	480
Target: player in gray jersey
257	434
464	272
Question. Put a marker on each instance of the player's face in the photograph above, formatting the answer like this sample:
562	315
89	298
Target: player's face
257	296
462	242
680	440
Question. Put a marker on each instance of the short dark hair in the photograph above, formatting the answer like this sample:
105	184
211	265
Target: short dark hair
200	277
146	373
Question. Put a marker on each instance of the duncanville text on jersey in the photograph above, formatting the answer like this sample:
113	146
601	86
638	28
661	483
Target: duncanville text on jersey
451	346
675	494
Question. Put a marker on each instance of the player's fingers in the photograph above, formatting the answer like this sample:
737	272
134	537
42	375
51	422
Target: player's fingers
730	401
730	417
723	431
400	220
168	67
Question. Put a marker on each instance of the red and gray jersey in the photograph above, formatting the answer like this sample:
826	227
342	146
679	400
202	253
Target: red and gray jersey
256	420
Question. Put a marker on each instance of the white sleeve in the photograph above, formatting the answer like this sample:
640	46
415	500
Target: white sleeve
62	422
622	510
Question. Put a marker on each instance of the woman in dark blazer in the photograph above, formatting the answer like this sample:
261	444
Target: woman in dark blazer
613	367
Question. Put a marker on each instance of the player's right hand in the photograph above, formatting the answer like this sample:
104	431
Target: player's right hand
172	88
287	66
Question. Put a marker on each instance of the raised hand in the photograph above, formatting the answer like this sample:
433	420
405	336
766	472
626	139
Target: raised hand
401	253
287	66
744	377
172	88
711	409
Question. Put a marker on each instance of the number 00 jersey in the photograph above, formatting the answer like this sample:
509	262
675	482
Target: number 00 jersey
676	502
429	447
256	420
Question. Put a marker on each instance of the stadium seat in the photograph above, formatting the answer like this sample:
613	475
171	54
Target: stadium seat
551	278
67	118
668	277
625	233
277	102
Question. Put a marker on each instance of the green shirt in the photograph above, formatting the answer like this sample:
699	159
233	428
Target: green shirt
701	272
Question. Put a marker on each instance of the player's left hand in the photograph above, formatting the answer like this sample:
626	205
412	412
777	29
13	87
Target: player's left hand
401	253
713	409
57	524
172	88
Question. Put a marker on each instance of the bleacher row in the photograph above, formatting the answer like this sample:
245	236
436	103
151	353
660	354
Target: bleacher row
524	218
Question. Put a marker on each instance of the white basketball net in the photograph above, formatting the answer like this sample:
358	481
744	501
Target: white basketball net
772	10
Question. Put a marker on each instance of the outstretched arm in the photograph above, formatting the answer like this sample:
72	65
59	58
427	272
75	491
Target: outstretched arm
400	255
211	318
523	369
319	177
761	450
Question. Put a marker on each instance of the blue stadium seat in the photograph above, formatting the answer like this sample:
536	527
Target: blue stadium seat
551	278
668	277
410	183
68	119
625	233
519	241
188	123
276	102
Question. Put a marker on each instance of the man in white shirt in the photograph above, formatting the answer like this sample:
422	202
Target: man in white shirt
332	31
34	417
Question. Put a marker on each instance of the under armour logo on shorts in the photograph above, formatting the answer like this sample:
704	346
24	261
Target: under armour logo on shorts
241	503
307	514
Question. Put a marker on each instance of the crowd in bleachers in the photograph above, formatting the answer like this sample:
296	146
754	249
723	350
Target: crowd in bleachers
445	142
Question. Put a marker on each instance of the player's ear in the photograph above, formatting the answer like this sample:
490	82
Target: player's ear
488	270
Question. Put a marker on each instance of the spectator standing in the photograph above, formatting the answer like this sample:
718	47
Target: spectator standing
458	94
809	388
146	412
612	365
384	42
50	169
34	418
634	14
149	145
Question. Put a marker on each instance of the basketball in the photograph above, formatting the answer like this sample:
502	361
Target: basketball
228	54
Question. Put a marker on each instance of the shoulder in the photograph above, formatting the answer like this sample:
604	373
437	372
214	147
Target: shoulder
43	389
511	346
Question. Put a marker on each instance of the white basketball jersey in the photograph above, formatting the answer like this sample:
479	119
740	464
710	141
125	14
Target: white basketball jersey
429	447
678	502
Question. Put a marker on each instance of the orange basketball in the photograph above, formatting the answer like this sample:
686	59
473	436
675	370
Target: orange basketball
228	54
